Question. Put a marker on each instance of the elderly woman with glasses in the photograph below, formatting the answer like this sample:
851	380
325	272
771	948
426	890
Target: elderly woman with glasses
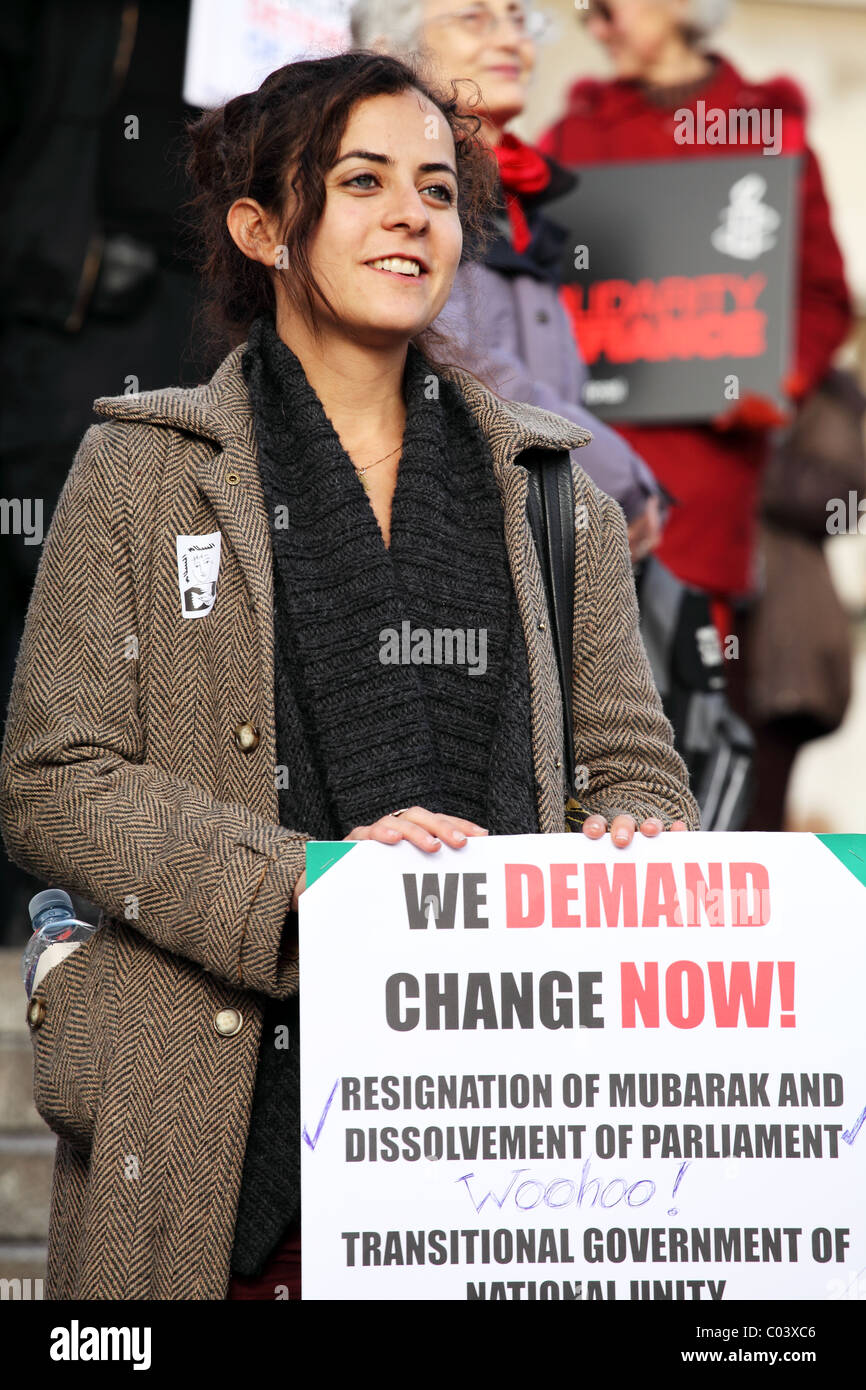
504	320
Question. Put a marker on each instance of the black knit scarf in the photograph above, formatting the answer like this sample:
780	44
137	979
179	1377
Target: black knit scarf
401	675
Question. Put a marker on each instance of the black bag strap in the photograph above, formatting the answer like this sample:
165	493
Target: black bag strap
550	510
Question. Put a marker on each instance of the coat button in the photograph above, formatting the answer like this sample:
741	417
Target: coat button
247	737
542	316
35	1013
228	1022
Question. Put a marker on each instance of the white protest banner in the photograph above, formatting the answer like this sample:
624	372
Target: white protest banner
540	1067
232	45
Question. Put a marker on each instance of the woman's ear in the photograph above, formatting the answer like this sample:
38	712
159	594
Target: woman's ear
248	228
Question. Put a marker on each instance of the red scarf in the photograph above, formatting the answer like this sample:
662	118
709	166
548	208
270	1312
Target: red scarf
521	170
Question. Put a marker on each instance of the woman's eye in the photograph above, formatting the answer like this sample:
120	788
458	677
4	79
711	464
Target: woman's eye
442	191
443	188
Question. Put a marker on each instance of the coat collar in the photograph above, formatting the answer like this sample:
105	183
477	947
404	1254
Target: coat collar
219	411
541	259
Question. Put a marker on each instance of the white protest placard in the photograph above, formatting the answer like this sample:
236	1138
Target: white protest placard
541	1068
232	45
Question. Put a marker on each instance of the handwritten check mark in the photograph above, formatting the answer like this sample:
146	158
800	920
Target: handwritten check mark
322	1118
849	1135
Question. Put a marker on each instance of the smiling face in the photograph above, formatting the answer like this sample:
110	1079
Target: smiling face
462	44
387	246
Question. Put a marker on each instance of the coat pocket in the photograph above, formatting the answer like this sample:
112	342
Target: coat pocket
65	1016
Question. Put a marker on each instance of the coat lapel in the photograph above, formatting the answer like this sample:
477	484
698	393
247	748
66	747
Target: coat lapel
227	475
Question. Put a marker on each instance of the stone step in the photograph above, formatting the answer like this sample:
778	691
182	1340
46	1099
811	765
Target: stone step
26	1166
13	999
18	1114
17	1111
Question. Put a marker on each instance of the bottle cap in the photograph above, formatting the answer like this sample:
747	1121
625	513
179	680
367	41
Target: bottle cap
50	897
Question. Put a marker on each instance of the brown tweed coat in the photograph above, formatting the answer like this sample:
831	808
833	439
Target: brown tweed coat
123	778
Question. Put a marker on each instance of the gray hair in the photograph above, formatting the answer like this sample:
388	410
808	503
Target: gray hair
398	22
706	15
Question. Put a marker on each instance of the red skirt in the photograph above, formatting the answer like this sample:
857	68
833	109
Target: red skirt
281	1276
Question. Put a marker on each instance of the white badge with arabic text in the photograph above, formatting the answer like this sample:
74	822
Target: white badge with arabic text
198	563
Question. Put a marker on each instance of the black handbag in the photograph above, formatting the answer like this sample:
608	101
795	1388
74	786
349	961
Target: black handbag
550	511
715	744
687	663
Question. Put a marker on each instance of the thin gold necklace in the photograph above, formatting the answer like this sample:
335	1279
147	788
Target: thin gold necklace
367	466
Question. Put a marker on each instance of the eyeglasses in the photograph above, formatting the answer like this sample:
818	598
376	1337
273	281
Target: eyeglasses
481	22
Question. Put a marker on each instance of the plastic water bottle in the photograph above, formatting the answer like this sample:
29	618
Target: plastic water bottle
57	932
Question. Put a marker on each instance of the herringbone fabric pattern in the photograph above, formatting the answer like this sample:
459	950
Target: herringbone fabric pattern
120	778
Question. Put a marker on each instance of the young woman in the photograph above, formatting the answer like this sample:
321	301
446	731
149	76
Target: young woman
503	316
172	768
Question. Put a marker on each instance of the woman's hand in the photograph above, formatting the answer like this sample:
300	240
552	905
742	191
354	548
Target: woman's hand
645	532
622	828
426	829
429	830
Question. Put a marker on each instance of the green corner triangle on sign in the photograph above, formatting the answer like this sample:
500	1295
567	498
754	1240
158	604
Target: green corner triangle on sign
321	854
850	850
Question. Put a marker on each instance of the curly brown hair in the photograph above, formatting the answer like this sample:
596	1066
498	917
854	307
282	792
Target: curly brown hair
295	122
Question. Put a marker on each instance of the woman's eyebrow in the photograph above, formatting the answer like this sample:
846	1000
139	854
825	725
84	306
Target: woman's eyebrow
386	159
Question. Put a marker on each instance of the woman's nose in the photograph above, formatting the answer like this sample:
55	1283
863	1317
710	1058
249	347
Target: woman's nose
407	210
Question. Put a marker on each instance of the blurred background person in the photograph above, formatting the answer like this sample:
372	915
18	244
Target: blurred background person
98	293
504	316
713	471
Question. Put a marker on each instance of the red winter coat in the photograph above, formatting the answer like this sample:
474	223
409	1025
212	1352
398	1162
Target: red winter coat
715	477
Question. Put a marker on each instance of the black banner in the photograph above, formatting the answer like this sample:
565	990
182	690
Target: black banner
678	278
